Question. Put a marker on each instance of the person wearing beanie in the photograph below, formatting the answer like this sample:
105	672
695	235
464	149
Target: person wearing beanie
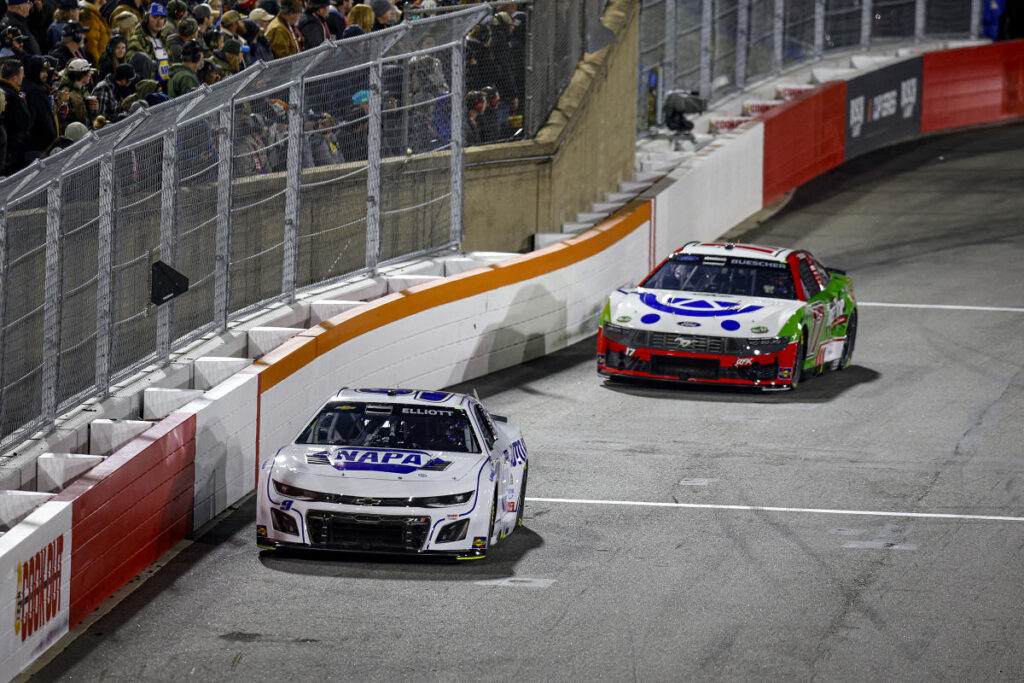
182	78
361	16
111	10
384	14
176	11
17	118
271	7
336	21
39	74
313	24
75	132
188	29
353	31
98	34
281	32
17	16
112	91
229	58
146	39
124	22
259	46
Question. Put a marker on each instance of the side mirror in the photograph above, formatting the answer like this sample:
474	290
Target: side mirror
836	271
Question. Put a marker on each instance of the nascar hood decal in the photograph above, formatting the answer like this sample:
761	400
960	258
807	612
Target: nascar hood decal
668	311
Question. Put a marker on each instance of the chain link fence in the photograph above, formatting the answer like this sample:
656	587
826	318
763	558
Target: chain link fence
295	172
715	47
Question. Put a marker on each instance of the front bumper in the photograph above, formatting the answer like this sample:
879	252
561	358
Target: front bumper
760	370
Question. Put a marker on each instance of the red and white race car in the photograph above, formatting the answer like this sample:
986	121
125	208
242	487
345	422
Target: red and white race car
726	313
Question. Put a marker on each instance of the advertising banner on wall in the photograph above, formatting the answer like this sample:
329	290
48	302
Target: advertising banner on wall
883	107
35	577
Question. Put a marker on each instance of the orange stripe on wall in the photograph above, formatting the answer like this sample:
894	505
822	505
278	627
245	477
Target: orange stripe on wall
305	347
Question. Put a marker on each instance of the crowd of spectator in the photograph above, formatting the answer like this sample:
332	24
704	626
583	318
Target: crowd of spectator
68	66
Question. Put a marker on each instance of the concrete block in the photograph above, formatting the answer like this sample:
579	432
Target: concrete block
106	436
575	227
263	340
544	239
634	187
17	505
619	197
361	289
606	207
825	74
158	402
212	370
423	267
756	107
865	62
54	471
325	309
397	283
461	264
789	91
721	124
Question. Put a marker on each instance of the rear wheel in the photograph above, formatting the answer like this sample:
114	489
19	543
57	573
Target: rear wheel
522	496
494	516
851	338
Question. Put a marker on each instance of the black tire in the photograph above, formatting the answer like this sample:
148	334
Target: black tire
851	339
522	496
798	364
494	516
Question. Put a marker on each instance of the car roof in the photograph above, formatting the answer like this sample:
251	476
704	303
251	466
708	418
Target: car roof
425	397
754	251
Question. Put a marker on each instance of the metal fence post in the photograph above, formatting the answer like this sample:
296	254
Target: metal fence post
225	148
104	258
975	18
778	34
742	42
667	75
168	187
458	157
819	28
3	300
373	164
293	176
51	304
707	22
919	19
867	11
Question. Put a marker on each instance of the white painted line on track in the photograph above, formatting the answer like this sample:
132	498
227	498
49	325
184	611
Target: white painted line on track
943	307
762	508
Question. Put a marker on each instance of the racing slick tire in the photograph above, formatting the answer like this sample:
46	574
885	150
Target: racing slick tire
851	339
522	496
798	365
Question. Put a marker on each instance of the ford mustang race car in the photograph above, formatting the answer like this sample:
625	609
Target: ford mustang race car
395	471
728	313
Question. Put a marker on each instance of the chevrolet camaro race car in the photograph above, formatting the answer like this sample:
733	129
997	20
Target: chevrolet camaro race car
395	471
734	314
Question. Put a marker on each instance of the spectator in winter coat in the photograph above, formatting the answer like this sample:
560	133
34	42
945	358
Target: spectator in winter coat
313	24
17	117
70	47
39	73
361	16
112	90
71	102
12	44
384	14
182	78
229	58
146	39
114	55
188	29
176	11
259	46
336	21
68	11
17	16
98	34
281	32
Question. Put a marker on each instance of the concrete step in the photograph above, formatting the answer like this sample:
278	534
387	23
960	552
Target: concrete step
606	207
824	74
573	227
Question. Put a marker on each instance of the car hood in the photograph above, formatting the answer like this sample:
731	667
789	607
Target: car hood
678	312
387	471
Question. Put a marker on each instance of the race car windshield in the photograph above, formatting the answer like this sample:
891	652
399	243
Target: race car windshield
387	425
717	275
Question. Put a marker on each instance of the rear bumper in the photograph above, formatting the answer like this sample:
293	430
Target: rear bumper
763	370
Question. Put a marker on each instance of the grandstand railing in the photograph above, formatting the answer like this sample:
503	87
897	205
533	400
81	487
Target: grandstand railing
296	172
713	48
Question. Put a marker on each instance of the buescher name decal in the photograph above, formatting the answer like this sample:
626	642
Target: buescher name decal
38	596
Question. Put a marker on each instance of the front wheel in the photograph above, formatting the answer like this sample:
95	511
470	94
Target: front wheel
851	338
798	365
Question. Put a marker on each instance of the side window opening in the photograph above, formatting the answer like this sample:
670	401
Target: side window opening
485	424
811	285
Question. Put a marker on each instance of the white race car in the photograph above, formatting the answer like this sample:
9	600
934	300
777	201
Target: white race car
395	471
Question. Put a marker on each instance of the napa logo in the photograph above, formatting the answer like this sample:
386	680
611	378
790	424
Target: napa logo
699	308
379	460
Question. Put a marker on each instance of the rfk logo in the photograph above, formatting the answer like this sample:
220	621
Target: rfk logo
908	96
856	115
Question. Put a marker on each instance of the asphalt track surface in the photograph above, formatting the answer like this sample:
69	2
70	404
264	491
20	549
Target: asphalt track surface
788	580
